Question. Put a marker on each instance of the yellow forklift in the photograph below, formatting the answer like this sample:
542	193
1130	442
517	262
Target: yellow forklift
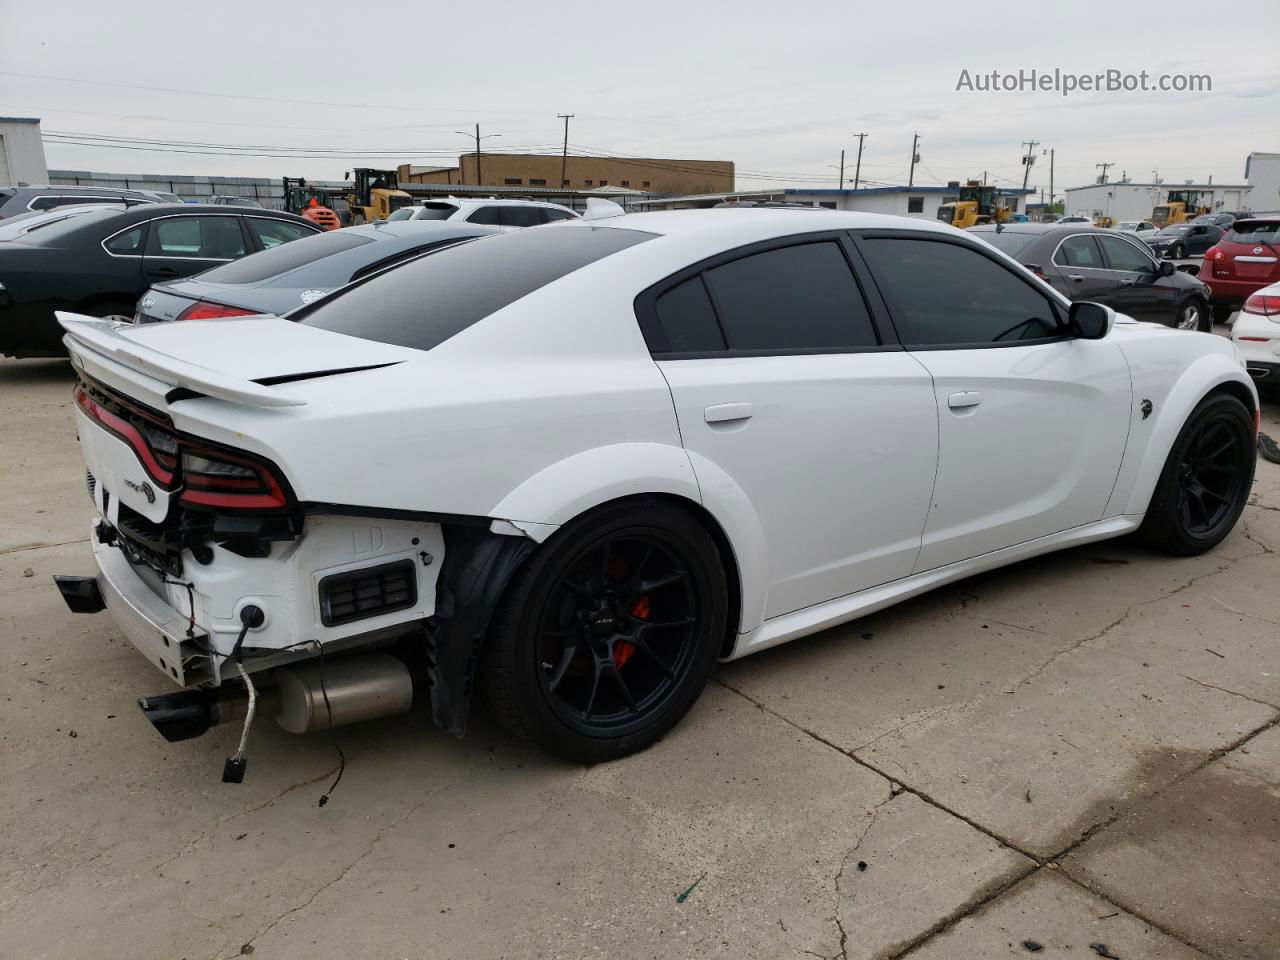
977	204
375	195
1182	206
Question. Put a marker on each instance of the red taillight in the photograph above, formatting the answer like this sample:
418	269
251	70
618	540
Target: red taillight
155	448
218	478
1266	304
212	311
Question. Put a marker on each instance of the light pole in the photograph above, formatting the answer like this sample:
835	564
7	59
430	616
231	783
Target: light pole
468	135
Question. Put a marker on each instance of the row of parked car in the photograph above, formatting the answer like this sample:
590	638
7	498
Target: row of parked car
149	261
140	260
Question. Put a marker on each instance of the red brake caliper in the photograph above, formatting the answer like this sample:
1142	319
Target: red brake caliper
622	650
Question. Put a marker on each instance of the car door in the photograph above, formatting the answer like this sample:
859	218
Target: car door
1077	271
1203	236
784	383
180	245
1032	422
1140	290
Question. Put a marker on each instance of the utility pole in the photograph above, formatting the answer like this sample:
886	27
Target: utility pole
1028	159
564	156
1105	167
915	158
1051	176
841	169
479	175
857	170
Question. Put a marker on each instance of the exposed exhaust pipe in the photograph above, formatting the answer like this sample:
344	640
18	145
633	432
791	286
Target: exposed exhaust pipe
358	688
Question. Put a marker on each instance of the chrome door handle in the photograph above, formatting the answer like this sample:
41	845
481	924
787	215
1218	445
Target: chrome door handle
727	412
1074	276
964	399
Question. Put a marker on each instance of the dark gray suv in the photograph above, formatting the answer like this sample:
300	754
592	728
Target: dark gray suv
1116	269
16	200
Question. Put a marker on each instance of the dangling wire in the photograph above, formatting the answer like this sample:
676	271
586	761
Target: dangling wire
342	759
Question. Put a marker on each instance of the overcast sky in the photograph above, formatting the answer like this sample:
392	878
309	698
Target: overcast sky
778	89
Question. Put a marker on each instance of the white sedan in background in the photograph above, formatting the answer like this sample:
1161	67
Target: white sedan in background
1256	334
589	462
503	214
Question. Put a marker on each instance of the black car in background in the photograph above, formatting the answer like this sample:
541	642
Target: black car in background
1088	263
100	262
1180	240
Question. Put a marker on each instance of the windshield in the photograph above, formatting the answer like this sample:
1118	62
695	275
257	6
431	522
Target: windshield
285	257
1254	231
1175	231
404	213
1127	225
427	301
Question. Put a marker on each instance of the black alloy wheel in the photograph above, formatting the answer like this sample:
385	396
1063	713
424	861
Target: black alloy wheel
609	633
616	632
1211	474
1206	479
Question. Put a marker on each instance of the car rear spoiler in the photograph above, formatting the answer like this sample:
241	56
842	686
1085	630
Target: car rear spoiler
103	337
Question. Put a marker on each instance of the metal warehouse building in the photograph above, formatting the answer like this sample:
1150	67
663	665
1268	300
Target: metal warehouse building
21	152
903	201
1135	201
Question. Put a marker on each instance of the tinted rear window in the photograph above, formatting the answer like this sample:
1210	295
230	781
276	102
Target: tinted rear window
55	232
1254	231
285	257
1007	241
427	301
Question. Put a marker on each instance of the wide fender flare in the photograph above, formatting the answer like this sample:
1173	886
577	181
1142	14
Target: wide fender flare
1196	382
571	487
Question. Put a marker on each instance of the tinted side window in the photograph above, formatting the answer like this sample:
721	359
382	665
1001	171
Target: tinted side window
949	294
212	238
272	233
1078	252
489	216
521	216
1123	255
793	298
687	318
553	214
126	243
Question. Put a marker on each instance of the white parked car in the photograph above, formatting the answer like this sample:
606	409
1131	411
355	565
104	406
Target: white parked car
592	461
1077	218
504	214
1136	226
1256	334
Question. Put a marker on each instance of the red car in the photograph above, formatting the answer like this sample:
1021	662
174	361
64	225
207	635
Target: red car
1244	261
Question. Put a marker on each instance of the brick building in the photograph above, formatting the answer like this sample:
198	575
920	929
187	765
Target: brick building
581	173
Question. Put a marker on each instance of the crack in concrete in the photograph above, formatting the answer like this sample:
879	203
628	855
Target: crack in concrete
1234	693
844	865
377	838
24	547
224	820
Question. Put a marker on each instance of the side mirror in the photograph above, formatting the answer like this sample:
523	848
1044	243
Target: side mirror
1090	321
1166	268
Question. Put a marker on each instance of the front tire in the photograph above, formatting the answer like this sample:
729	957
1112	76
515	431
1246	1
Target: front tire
1205	482
609	633
1178	252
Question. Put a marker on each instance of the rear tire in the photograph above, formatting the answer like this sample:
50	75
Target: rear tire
1193	314
113	310
1205	482
609	633
1222	313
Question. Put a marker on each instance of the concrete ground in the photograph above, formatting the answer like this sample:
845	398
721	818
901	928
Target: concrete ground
1074	757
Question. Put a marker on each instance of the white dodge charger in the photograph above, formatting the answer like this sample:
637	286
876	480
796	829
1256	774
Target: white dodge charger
581	463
